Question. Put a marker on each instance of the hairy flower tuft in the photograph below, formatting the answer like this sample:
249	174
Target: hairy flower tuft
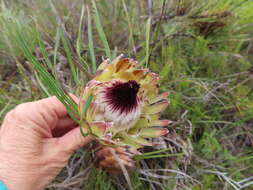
122	96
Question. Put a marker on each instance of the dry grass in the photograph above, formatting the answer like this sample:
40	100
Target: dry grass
203	53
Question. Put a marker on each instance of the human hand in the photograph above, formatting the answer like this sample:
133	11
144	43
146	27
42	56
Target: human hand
36	141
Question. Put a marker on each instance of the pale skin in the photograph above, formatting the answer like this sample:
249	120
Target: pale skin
36	141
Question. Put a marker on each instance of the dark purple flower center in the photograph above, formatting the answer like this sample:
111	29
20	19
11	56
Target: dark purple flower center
123	96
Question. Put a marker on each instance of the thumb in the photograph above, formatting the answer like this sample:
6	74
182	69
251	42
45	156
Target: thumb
73	140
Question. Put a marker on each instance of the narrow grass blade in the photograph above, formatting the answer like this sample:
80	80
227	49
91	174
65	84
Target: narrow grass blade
155	152
140	157
67	49
130	26
83	122
46	78
57	44
148	27
79	42
44	52
101	32
91	46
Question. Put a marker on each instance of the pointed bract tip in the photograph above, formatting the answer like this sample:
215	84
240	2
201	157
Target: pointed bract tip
165	122
164	132
165	94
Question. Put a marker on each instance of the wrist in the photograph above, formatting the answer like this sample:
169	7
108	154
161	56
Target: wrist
13	177
2	186
13	183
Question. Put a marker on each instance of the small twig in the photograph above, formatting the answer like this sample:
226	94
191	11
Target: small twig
123	168
156	31
150	8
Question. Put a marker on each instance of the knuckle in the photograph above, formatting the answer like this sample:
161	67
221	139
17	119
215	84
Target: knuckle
63	150
9	115
24	106
20	111
65	155
62	158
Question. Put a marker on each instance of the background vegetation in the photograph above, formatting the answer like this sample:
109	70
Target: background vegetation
203	51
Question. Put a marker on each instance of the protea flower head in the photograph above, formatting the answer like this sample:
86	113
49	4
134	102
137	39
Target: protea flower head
125	106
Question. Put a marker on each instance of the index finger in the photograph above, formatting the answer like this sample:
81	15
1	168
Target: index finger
54	105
